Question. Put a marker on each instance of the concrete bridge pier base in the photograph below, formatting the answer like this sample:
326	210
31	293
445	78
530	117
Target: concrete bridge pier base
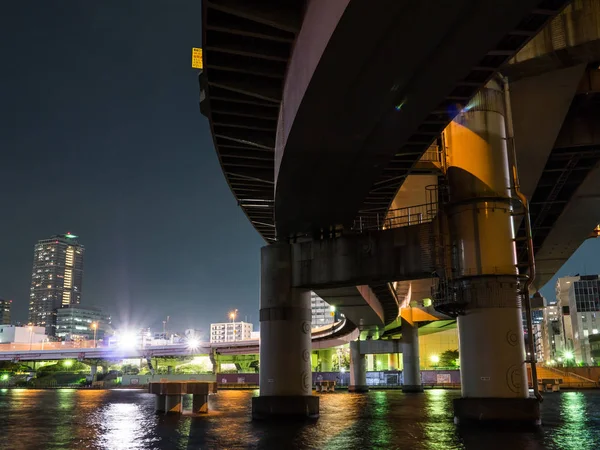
358	369
160	403
285	341
411	372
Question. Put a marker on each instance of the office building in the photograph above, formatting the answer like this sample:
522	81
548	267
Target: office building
322	313
230	331
5	311
56	279
75	323
579	299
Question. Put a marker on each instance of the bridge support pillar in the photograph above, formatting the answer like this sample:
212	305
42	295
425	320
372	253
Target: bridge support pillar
411	371
326	360
285	341
93	371
393	361
160	403
485	280
358	369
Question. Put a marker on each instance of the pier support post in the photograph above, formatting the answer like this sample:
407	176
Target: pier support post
358	369
285	341
411	372
160	403
173	403
200	403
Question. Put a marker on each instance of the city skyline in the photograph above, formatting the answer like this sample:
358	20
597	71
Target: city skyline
115	135
108	144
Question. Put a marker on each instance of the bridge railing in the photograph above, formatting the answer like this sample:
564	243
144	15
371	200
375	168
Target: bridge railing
395	218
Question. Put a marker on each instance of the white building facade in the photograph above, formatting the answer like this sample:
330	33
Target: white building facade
230	332
322	313
10	334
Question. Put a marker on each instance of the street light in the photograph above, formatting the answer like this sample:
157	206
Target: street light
435	359
30	336
95	328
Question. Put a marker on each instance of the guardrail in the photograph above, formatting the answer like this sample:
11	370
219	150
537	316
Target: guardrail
395	218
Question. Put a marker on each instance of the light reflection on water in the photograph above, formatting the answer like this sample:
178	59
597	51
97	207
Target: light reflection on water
115	420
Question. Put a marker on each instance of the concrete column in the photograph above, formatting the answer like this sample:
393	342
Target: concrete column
411	372
393	361
492	357
169	370
160	403
285	340
358	369
173	403
200	404
326	356
93	371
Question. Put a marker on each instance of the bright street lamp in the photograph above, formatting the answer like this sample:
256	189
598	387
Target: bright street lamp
30	336
435	359
95	328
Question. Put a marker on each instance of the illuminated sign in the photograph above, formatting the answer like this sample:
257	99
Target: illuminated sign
197	58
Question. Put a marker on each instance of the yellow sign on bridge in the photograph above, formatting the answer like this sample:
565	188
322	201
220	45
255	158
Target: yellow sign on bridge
197	58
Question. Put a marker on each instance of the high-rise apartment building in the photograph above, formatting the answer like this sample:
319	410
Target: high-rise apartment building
5	311
579	299
321	311
56	279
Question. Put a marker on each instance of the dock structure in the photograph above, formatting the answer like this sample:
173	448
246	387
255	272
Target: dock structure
169	395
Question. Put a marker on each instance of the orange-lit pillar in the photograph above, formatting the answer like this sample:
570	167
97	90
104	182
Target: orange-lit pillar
484	272
285	341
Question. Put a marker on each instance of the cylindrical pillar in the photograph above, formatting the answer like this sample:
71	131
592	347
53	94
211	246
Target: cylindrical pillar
485	282
93	371
285	340
411	372
358	369
173	403
169	370
393	361
160	403
326	356
200	404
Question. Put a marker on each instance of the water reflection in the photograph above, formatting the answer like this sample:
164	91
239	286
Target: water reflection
574	432
114	420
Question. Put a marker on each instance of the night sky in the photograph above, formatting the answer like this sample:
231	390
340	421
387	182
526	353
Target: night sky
101	135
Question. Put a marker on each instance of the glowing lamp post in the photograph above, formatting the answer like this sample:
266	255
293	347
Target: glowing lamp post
95	328
30	336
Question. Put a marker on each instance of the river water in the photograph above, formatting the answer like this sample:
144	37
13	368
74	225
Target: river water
124	419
